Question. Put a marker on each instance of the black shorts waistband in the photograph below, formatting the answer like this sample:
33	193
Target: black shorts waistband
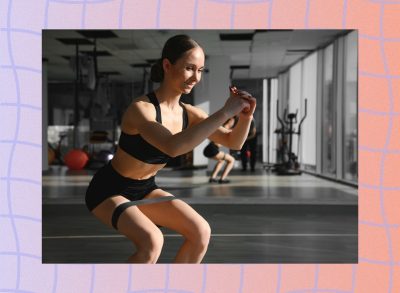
108	182
129	180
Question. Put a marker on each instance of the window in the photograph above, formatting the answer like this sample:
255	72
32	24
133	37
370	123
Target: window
328	116
350	153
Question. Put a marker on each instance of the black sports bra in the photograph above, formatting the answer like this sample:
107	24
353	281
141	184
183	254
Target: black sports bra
137	147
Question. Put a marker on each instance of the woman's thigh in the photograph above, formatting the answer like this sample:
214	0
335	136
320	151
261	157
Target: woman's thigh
229	158
175	215
220	156
132	222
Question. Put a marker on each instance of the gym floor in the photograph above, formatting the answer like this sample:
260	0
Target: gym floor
257	218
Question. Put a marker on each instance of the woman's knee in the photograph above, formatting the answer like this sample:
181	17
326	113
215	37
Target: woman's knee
220	161
150	245
205	233
200	235
229	159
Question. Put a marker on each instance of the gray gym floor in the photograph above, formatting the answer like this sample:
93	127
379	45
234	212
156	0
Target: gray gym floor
257	218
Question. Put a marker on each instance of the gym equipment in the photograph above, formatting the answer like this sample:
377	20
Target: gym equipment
85	67
289	164
54	152
101	149
51	155
76	159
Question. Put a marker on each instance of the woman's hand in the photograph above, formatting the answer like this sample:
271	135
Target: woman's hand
247	111
237	102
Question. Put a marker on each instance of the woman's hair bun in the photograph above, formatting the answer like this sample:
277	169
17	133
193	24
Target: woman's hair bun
157	72
174	48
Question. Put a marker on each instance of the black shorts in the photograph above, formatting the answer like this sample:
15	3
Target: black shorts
211	150
107	182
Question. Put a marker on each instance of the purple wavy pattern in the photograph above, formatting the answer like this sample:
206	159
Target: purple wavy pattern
20	70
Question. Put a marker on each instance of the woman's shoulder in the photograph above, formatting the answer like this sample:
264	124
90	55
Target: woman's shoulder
140	103
139	107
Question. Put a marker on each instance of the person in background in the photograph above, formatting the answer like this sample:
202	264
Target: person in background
212	151
249	148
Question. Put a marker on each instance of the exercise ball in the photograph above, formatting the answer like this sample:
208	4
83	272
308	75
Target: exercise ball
76	159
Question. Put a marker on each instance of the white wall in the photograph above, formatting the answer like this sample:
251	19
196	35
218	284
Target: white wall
295	88
273	122
265	119
308	153
198	158
211	93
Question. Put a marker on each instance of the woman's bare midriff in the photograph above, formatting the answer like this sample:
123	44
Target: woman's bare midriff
128	166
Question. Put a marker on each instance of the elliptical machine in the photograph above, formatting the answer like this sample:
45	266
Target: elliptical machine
289	164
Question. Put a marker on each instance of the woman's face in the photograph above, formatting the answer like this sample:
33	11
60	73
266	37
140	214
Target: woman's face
187	70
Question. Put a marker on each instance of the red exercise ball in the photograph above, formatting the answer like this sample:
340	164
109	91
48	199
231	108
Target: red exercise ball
76	159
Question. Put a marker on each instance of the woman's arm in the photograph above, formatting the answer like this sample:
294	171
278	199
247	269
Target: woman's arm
182	142
239	134
232	139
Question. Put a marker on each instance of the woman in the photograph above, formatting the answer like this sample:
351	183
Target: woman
156	127
212	151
